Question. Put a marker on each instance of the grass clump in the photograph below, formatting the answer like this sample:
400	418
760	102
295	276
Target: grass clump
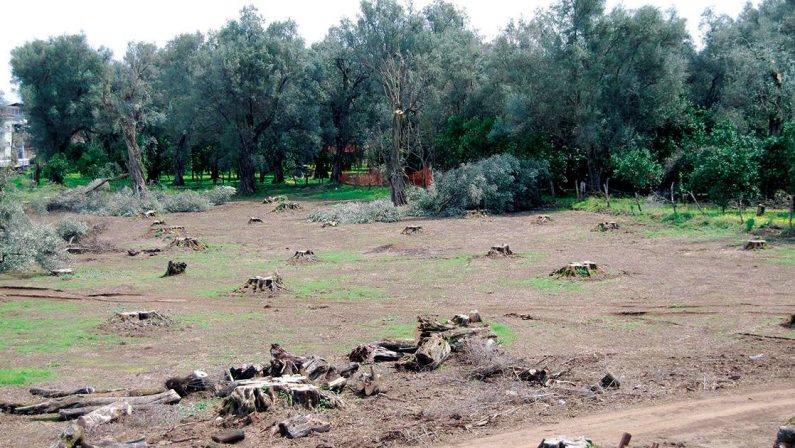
381	210
505	334
23	375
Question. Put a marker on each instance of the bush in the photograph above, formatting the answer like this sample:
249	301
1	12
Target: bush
124	203
381	210
220	195
23	243
56	168
70	228
186	201
499	184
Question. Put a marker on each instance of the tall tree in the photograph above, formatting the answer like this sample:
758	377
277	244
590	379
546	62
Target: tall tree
60	81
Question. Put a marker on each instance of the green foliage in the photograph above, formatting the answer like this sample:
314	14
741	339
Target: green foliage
381	210
220	195
56	168
24	243
726	174
505	334
23	376
186	201
499	184
70	228
639	168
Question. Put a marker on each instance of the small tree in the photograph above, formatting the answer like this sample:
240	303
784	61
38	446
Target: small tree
726	173
639	168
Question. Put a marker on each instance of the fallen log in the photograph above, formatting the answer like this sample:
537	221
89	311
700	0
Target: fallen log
254	219
399	345
315	367
430	354
230	436
197	381
139	443
175	268
55	393
104	414
79	401
245	371
303	425
371	353
73	413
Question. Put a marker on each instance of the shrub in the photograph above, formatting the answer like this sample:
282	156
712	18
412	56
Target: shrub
381	210
70	228
125	203
499	184
57	168
186	201
220	195
23	243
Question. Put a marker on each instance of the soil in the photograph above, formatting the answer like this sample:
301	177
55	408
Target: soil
692	329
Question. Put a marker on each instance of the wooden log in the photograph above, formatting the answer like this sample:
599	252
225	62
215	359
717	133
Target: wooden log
77	401
337	385
254	219
245	400
398	345
139	443
755	245
349	370
229	437
61	272
329	224
72	436
55	393
315	367
303	425
609	382
245	371
370	353
500	251
105	414
367	384
410	230
432	352
197	381
73	413
175	268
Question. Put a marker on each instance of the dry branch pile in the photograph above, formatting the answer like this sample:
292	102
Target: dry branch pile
474	214
585	269
189	243
605	226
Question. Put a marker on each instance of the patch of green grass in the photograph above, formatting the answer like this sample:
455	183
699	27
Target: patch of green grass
505	334
332	289
784	255
198	408
23	375
208	320
547	284
340	256
454	263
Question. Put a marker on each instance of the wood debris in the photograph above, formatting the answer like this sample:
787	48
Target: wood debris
175	268
411	230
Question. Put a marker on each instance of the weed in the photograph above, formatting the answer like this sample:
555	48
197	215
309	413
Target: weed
505	334
24	375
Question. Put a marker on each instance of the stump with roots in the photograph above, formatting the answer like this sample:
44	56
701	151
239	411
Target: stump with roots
271	283
543	219
153	317
500	251
329	224
175	268
274	199
285	206
475	214
254	219
584	269
410	230
755	245
606	226
188	242
304	256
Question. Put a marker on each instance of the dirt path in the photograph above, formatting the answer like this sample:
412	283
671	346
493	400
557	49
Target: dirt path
742	419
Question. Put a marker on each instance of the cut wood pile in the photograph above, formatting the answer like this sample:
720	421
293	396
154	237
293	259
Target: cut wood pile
274	199
606	226
304	256
755	245
164	231
188	243
411	230
136	323
175	268
255	220
543	219
286	206
584	269
500	251
271	283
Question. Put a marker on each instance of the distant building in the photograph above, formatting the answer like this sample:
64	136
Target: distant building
15	149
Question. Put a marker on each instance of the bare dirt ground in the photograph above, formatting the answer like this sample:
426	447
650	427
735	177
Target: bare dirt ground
690	325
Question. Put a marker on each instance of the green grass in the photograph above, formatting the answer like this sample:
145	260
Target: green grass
784	255
333	289
547	284
505	334
23	376
340	256
198	408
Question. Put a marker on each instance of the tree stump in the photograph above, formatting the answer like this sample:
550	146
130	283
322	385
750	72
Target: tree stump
755	245
371	353
500	251
303	425
329	224
245	400
543	219
271	283
175	268
61	272
609	382
133	252
254	219
760	210
410	230
150	214
585	269
197	381
274	199
606	226
367	384
430	354
286	206
306	256
229	436
71	437
189	243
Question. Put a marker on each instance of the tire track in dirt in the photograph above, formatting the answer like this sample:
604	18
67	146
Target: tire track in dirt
692	422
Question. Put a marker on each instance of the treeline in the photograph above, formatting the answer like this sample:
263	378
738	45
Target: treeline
620	98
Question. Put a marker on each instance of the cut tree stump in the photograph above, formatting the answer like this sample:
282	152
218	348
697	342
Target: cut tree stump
133	252
410	230
254	219
371	353
304	256
71	437
175	268
61	272
430	354
189	243
500	251
585	269
329	224
285	206
399	345
755	245
790	322
303	425
197	381
259	395
159	222
245	400
543	219
150	214
105	414
271	283
274	199
349	370
606	226
367	384
230	436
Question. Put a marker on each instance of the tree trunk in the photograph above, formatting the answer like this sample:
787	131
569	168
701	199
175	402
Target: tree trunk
791	209
134	165
248	184
179	161
396	182
336	170
278	169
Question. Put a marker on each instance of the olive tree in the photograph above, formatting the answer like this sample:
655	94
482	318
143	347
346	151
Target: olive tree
638	168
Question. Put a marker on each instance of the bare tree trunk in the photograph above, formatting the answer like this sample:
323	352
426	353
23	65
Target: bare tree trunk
179	161
791	209
396	181
134	165
278	169
673	199
248	184
336	169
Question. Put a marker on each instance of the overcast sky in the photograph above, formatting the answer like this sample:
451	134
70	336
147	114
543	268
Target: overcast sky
114	23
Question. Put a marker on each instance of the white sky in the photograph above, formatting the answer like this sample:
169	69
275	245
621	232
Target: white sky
114	23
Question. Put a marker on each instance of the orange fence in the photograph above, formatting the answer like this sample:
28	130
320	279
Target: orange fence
421	178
